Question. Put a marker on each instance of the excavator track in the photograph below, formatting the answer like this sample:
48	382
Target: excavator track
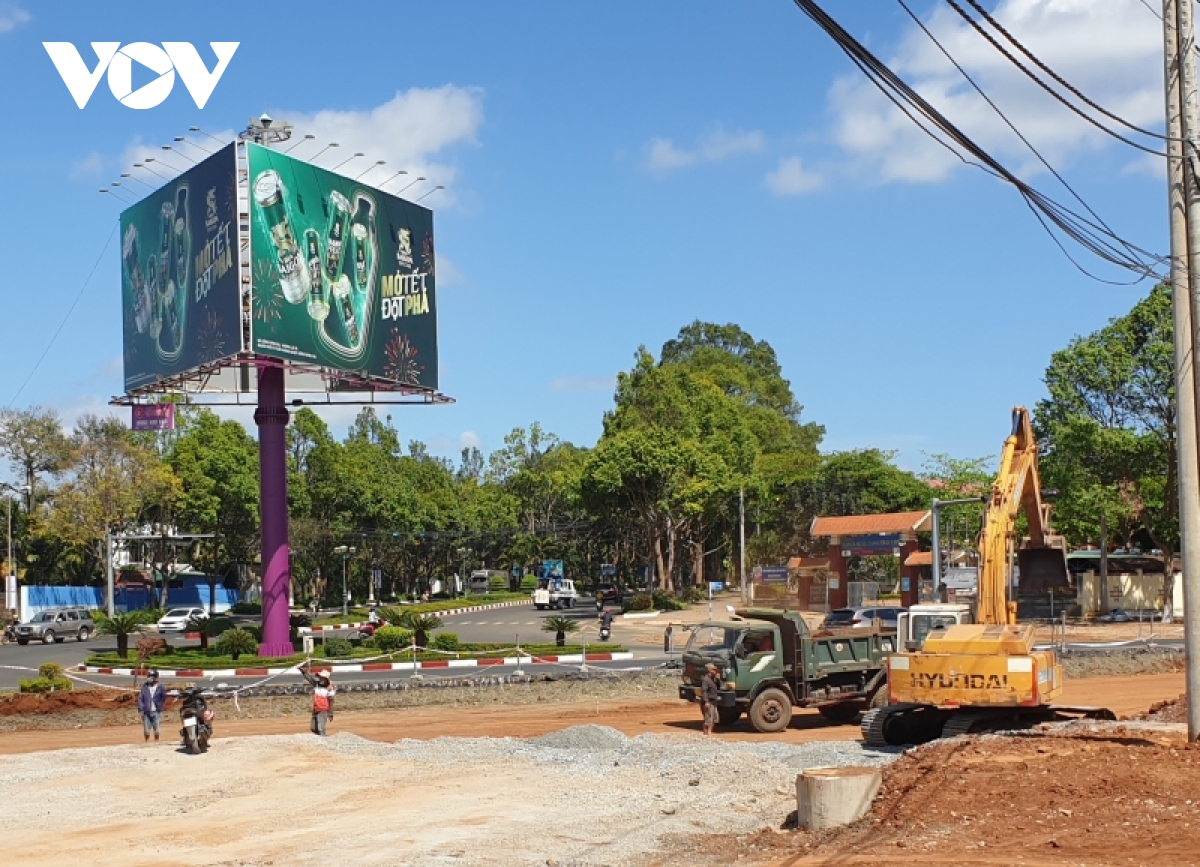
959	724
872	727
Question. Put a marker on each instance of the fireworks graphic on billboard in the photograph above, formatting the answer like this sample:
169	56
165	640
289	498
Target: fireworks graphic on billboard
401	362
211	337
427	254
268	301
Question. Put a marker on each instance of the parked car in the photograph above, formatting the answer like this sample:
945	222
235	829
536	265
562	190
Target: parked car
57	624
176	619
840	618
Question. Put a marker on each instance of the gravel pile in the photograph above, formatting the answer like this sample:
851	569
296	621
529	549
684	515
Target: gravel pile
627	795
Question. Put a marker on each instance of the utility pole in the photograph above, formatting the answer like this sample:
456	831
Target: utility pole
742	545
1182	306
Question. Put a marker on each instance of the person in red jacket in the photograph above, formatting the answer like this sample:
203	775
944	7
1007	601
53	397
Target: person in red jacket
323	693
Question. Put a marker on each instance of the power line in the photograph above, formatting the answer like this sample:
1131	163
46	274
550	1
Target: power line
1090	234
1029	145
1046	69
63	324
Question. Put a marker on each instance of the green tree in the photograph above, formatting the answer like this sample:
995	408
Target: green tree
216	462
35	445
560	626
121	626
1107	430
113	483
674	451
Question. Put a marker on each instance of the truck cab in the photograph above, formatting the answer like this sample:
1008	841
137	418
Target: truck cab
769	662
917	622
554	593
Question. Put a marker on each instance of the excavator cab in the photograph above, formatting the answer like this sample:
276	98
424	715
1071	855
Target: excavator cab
1044	569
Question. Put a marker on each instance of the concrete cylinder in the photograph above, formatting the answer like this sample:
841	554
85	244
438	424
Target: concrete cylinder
831	797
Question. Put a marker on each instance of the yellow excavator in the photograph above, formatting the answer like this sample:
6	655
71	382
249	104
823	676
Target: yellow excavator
961	676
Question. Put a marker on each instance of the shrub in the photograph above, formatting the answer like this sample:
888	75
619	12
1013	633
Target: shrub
50	670
529	582
295	621
246	608
692	593
335	648
641	602
446	641
44	684
498	582
389	638
664	601
256	631
420	624
236	642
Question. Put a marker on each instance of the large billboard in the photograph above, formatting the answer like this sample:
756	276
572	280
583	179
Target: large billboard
180	301
342	274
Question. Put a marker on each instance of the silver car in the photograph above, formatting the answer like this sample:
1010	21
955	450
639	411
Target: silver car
57	624
887	615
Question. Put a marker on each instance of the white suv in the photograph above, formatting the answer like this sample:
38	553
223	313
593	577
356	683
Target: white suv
176	620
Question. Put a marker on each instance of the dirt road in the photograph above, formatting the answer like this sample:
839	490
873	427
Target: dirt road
1124	695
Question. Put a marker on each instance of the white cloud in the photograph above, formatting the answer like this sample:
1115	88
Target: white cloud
792	179
12	16
88	168
1110	49
582	383
663	155
448	273
407	132
468	439
160	166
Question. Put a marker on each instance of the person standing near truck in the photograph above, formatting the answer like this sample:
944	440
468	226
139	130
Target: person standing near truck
710	696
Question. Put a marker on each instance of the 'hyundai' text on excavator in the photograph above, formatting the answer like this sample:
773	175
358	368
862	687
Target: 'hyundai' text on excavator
986	675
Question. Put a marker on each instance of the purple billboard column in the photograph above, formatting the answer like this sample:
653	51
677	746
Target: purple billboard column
272	418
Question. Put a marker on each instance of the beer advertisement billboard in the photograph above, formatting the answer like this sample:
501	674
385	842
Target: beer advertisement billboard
342	273
179	278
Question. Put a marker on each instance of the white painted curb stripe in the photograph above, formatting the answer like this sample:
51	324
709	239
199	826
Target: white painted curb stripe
371	667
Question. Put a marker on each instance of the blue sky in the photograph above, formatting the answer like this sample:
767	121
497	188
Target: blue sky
614	171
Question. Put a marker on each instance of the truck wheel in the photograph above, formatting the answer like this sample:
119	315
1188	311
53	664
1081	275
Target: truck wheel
48	636
840	713
771	711
729	715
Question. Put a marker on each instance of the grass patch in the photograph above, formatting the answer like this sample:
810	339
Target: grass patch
212	659
360	615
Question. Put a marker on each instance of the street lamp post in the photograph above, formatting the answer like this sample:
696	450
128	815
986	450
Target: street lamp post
462	553
346	551
18	489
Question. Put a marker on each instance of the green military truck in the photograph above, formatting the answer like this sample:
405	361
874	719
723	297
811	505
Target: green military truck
770	663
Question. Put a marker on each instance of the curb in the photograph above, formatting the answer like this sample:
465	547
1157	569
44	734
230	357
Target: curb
307	630
365	666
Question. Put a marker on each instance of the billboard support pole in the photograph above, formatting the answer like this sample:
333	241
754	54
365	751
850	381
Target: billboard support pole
272	418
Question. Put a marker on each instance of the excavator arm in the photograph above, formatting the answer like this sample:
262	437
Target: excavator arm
1041	557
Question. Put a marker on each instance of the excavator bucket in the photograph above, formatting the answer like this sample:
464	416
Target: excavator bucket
1043	569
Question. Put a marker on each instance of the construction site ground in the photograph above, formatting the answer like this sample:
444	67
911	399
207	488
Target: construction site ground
468	775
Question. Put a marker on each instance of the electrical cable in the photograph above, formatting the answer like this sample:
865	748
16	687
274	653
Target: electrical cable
1054	75
63	324
1029	145
1054	93
1094	237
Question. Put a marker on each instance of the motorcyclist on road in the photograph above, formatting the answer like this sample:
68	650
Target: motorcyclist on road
606	620
373	617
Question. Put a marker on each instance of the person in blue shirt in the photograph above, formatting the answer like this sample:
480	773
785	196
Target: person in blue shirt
150	704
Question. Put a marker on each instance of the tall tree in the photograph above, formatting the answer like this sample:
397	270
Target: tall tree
1107	430
35	445
113	483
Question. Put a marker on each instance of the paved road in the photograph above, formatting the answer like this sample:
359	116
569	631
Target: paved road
67	654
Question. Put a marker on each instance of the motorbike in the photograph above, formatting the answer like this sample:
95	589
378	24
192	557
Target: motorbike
367	630
10	633
197	719
605	632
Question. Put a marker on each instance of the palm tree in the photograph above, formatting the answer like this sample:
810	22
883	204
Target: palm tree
560	626
420	624
122	626
208	627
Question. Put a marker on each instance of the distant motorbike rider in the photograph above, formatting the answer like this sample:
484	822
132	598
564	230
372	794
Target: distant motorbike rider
606	620
373	617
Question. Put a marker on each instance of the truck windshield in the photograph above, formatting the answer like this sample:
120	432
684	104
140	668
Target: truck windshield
708	639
